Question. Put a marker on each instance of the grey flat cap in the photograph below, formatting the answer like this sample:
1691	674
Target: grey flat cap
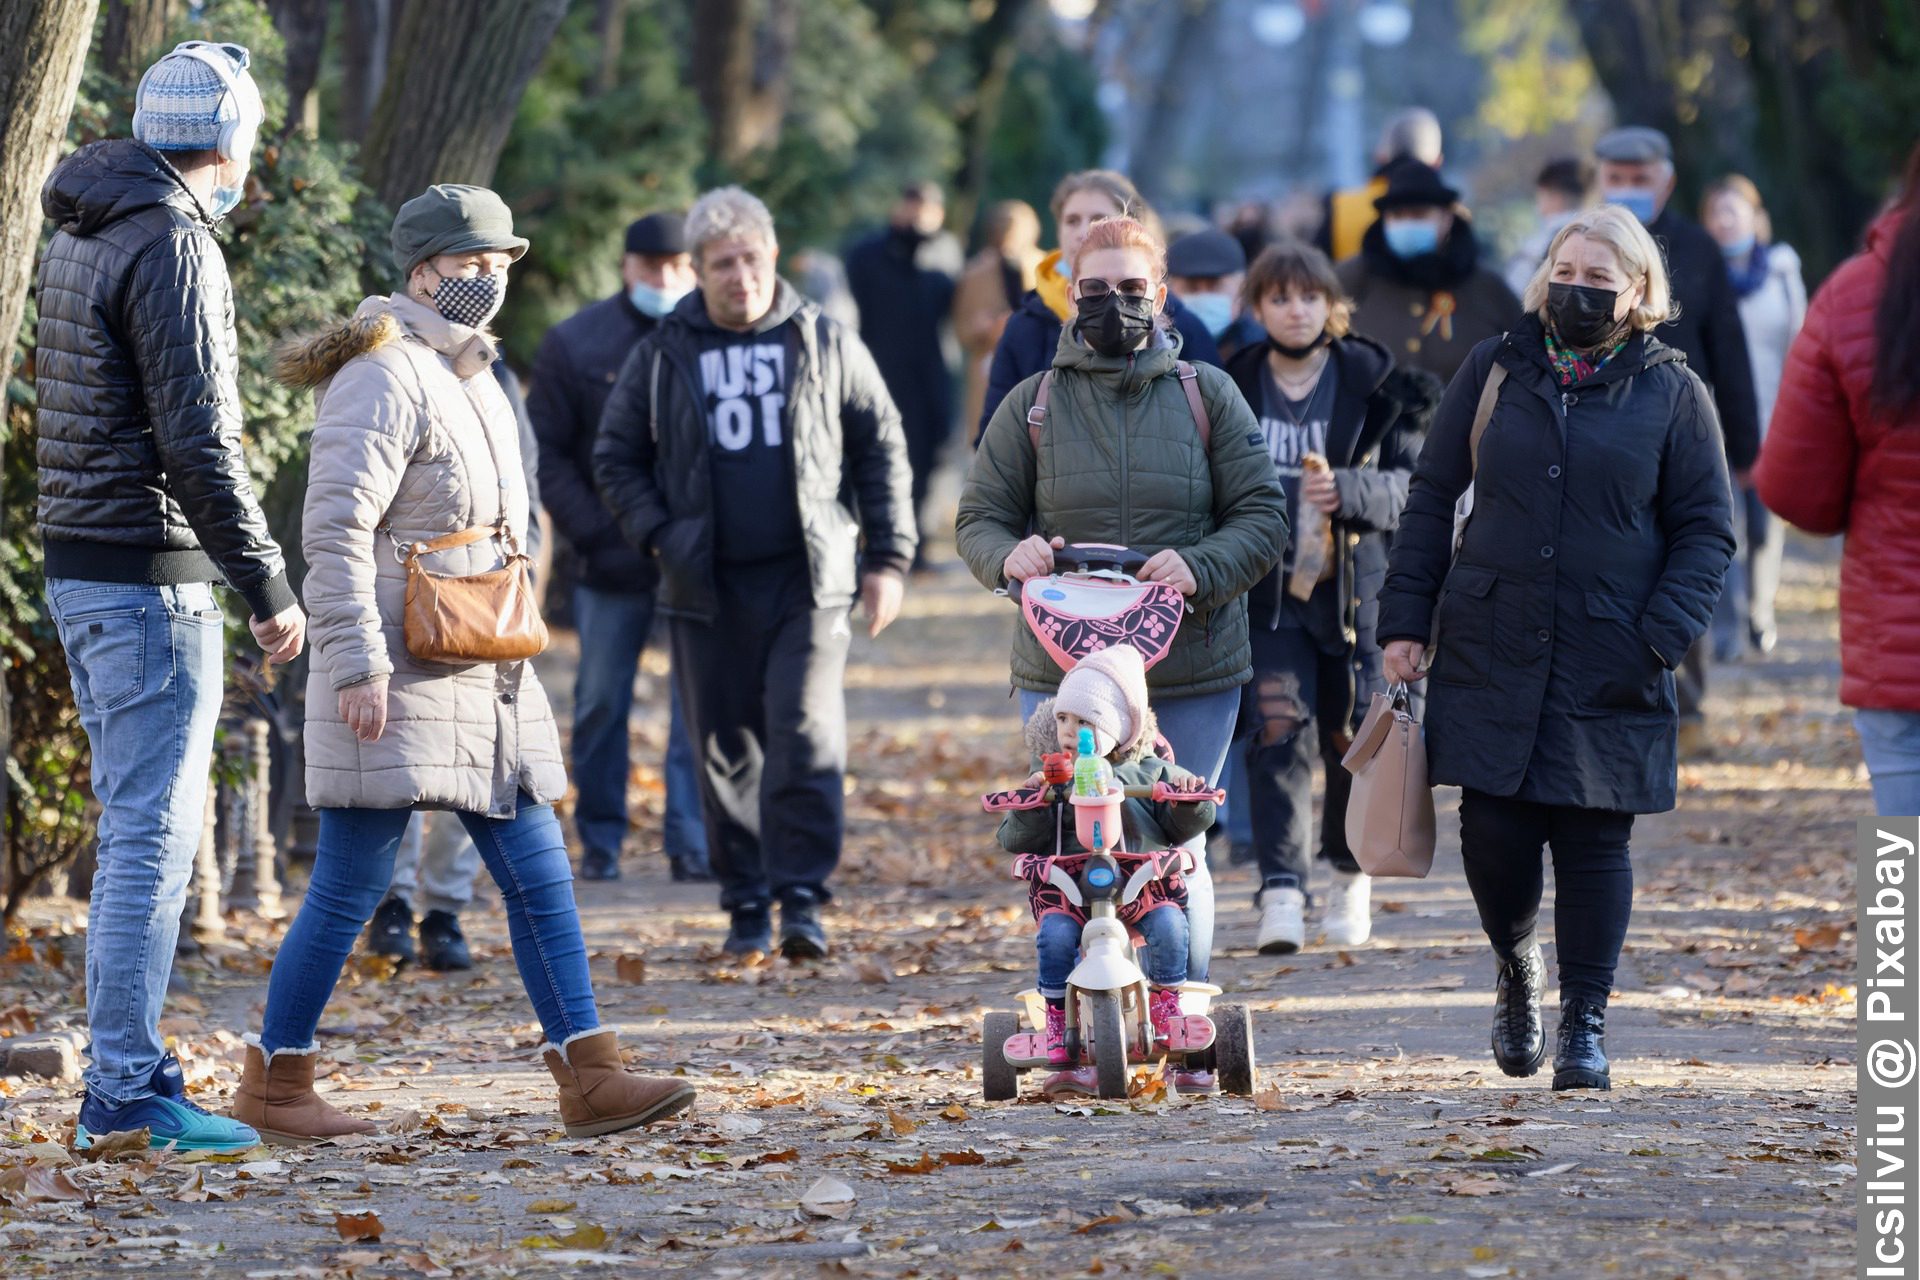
1205	255
1635	144
451	217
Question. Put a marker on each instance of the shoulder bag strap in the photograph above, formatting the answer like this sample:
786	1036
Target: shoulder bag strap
1483	413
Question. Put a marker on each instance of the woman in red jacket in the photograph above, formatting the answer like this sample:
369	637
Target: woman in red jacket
1843	456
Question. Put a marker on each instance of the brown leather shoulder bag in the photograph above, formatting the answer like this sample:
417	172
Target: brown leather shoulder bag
480	617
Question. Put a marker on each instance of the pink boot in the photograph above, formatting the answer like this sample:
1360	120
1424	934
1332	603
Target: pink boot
1056	1035
1163	1006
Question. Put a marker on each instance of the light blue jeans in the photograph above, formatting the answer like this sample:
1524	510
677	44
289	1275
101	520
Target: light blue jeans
1199	729
1890	740
527	855
146	668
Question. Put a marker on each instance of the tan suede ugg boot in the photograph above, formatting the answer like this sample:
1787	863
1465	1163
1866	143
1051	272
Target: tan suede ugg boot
596	1093
277	1098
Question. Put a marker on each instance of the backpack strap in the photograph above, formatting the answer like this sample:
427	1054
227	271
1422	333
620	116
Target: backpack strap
1037	415
1483	412
1190	383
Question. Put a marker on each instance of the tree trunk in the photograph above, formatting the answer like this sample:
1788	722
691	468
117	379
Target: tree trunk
132	35
610	26
366	39
742	71
1672	64
455	76
993	46
43	45
303	25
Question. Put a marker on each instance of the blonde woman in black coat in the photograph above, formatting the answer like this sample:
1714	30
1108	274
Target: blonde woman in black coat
1601	531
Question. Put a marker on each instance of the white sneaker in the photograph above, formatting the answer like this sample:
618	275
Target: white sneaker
1349	920
1283	921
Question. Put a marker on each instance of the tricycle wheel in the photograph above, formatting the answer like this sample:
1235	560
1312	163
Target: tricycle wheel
1233	1048
1109	1026
999	1080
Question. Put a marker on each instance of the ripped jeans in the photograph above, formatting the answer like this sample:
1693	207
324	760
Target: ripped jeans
1297	698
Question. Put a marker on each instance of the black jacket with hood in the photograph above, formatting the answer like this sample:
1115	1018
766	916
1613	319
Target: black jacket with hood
1380	414
1601	532
652	460
142	473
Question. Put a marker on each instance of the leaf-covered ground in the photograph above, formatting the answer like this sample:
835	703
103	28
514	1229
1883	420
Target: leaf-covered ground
840	1129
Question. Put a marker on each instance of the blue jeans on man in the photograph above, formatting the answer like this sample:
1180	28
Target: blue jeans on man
613	627
145	662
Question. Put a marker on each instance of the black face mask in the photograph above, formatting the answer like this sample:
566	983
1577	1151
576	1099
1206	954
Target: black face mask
1113	325
1582	315
1299	353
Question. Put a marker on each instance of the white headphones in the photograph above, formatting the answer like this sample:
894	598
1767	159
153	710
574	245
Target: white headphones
236	135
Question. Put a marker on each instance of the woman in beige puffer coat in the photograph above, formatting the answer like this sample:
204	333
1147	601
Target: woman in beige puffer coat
415	440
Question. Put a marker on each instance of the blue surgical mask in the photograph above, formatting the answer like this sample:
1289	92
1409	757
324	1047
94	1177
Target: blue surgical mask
1411	239
1214	309
649	301
1740	250
225	200
1635	200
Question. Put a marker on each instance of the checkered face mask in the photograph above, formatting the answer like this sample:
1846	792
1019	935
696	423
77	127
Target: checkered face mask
470	300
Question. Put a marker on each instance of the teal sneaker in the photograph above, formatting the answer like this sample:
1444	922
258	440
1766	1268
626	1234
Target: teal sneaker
169	1118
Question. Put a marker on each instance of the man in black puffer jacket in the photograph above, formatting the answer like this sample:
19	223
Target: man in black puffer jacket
144	502
751	448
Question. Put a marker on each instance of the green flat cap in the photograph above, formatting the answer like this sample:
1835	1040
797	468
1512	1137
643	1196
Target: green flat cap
451	217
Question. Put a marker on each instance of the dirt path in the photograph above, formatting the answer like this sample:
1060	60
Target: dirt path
1383	1141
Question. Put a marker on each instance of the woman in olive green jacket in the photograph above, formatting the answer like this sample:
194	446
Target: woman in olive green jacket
1120	460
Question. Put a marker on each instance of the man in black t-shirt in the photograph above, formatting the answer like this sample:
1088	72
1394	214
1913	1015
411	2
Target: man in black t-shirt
751	448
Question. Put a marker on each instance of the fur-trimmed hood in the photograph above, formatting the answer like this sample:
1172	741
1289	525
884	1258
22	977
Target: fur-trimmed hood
308	360
1042	740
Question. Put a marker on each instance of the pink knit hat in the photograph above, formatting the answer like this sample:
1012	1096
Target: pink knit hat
1108	689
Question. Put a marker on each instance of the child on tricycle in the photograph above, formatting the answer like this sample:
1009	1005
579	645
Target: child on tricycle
1107	696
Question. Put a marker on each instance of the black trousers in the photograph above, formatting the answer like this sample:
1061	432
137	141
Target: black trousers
1299	700
764	692
1500	844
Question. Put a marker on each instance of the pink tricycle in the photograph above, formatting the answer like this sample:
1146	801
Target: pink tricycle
1091	602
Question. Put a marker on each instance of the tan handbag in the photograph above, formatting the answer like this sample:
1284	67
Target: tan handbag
1390	828
481	617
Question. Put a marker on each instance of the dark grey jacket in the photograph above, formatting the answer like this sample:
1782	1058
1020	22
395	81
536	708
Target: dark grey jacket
1601	533
573	374
651	460
142	473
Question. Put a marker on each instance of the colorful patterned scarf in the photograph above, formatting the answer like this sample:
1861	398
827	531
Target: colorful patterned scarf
1571	367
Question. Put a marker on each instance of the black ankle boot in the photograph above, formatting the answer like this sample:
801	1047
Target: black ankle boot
1581	1062
1519	1034
443	947
390	932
